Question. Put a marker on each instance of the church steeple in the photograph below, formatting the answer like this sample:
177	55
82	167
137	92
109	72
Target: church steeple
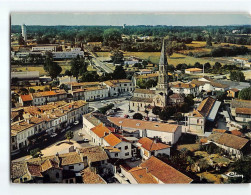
163	76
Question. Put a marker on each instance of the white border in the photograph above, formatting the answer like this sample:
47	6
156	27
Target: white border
98	6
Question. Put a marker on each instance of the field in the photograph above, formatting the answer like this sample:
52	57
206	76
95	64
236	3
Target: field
41	69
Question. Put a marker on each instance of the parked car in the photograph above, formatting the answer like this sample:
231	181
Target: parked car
130	111
85	140
53	135
76	123
154	119
126	116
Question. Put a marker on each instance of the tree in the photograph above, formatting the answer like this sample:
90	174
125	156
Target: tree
207	66
178	116
68	73
242	167
137	116
237	75
119	73
156	110
217	65
166	113
69	135
31	90
209	41
51	67
78	66
90	76
112	37
117	57
245	94
35	153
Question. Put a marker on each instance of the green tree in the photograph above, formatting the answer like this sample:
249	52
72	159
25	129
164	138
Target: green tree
119	73
90	76
68	73
46	89
51	67
209	41
137	116
178	116
242	167
245	94
31	90
156	110
35	153
217	65
78	66
117	57
69	135
112	37
237	75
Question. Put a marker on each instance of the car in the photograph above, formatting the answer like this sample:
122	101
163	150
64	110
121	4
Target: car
154	119
85	140
80	134
76	123
126	116
130	111
53	135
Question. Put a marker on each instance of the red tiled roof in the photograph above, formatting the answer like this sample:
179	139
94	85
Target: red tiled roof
219	130
142	176
112	140
236	132
100	130
164	172
26	98
149	144
243	111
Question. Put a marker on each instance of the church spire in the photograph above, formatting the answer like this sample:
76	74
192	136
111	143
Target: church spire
163	58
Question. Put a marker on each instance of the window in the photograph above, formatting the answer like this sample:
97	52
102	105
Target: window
71	180
119	148
116	154
126	147
127	154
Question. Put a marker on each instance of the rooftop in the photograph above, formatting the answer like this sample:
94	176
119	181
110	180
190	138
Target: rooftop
139	124
151	145
112	140
100	130
144	91
165	172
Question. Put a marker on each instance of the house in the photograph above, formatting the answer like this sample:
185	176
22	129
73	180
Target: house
59	168
26	100
209	85
95	93
90	177
144	71
176	99
68	54
117	148
118	87
193	71
145	77
243	114
45	47
185	88
98	133
155	171
233	93
168	133
42	98
66	79
149	147
241	109
206	111
234	145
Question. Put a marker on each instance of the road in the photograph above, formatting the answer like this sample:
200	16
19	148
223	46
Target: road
53	141
98	64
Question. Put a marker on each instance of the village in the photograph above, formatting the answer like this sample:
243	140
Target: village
83	113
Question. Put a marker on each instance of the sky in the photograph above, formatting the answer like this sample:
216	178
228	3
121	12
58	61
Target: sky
115	19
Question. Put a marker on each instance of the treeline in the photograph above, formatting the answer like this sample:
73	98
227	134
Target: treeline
186	34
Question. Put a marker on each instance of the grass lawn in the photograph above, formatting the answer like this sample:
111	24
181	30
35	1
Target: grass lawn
38	68
103	54
190	147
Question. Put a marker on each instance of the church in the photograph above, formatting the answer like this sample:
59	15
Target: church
143	99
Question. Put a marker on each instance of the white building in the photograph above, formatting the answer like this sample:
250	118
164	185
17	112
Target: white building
49	47
185	88
149	147
68	54
117	148
168	133
118	87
